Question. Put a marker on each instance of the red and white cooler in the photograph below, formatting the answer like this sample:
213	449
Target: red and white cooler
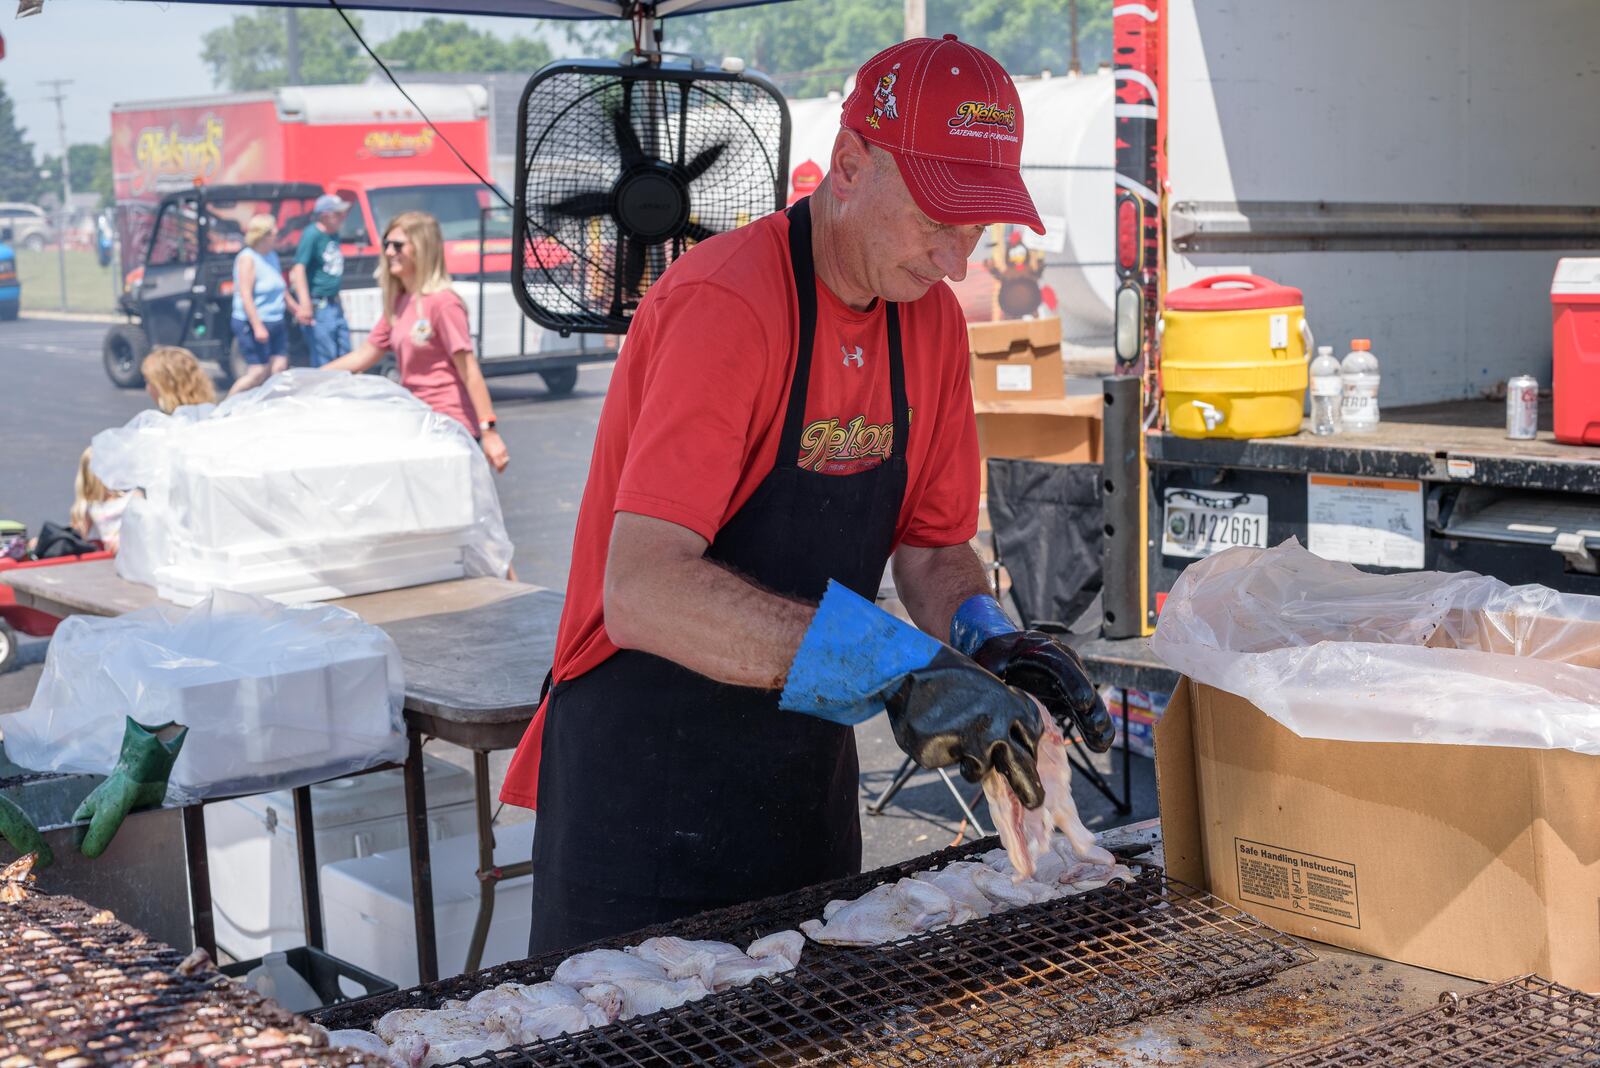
1575	302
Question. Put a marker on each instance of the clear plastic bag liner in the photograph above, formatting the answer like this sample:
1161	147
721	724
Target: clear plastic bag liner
313	473
274	696
1335	653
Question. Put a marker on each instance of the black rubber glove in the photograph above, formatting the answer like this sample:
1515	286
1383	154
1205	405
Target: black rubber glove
1050	670
856	658
954	712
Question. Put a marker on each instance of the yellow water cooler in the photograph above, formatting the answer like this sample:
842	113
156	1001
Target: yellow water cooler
1234	350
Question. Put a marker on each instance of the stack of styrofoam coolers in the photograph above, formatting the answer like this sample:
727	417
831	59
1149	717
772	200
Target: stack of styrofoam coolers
308	499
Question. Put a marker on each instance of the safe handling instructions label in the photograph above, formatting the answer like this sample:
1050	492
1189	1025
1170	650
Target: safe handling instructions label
1316	887
1376	521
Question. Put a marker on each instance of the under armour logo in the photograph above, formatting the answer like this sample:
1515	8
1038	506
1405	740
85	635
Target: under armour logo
850	357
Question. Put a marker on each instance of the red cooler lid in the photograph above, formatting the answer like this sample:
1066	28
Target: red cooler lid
1233	292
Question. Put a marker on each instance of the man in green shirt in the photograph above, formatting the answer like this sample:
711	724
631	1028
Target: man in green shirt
318	270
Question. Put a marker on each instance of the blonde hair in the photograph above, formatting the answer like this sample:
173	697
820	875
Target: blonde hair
86	490
427	253
177	377
259	227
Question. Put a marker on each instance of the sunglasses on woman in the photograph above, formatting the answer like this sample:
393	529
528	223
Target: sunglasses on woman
394	246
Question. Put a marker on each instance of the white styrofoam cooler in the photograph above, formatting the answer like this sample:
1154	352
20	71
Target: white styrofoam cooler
367	907
254	854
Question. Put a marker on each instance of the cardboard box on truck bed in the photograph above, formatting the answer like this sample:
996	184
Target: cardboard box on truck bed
1063	430
1015	359
1477	860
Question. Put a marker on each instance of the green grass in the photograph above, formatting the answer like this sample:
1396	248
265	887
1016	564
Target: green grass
88	284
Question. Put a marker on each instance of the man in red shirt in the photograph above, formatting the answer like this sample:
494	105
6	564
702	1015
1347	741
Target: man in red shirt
792	406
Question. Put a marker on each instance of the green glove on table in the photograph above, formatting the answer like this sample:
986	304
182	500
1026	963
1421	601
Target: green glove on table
138	781
19	830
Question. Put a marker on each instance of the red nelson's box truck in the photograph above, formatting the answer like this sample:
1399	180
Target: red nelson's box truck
362	142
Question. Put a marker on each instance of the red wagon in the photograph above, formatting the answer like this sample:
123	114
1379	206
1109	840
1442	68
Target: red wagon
15	617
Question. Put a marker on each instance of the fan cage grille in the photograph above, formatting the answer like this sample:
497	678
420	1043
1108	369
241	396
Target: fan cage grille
580	271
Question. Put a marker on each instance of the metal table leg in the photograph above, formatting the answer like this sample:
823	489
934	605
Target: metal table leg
421	872
194	844
901	777
966	809
305	831
488	875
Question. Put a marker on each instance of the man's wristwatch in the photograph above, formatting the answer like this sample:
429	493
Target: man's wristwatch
486	425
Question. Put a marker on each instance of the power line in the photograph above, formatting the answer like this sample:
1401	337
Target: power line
387	73
59	98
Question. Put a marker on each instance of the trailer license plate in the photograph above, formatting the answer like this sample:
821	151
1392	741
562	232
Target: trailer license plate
1201	522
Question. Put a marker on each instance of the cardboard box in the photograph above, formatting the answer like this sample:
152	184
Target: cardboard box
1064	431
1016	358
1479	861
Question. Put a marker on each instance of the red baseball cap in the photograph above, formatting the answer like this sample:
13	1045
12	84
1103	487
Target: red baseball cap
951	117
805	180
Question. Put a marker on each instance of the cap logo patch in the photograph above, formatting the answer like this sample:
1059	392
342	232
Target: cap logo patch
978	113
884	105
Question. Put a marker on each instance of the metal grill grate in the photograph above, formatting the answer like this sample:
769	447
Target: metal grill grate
1525	1021
79	988
984	992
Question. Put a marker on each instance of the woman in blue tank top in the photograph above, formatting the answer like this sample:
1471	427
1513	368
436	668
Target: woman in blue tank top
260	305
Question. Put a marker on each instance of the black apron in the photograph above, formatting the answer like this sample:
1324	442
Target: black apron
663	793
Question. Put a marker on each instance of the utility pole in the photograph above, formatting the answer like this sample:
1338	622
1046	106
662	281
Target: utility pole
59	98
916	18
291	17
1073	66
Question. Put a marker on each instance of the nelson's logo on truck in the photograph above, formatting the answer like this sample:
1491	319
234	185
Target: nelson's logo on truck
392	144
363	143
171	157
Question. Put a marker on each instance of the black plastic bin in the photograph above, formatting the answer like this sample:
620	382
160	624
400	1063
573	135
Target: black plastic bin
323	972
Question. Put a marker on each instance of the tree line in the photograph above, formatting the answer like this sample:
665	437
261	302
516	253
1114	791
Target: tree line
808	46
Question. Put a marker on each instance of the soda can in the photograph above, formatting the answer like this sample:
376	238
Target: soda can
1522	408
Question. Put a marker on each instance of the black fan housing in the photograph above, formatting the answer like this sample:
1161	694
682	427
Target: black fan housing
623	167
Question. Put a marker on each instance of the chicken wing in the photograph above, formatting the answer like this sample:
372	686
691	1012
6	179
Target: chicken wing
1055	771
885	913
628	996
448	1034
782	945
605	966
956	879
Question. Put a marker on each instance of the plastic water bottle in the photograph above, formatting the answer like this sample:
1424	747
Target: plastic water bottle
1326	390
1358	409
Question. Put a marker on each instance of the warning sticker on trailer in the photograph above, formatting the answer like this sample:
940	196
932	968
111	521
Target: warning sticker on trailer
1318	888
1200	522
1374	521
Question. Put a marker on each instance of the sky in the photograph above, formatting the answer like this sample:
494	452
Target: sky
116	50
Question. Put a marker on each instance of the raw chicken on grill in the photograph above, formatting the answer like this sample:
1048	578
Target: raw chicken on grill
625	985
605	966
885	913
719	965
959	880
364	1041
446	1035
783	945
628	996
999	886
544	1010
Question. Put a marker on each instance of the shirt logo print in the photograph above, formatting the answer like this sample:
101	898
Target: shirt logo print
852	357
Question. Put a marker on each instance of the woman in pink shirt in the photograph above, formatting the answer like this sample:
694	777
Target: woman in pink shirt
424	323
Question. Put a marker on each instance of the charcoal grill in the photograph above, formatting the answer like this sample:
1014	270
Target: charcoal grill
1524	1021
79	988
985	992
